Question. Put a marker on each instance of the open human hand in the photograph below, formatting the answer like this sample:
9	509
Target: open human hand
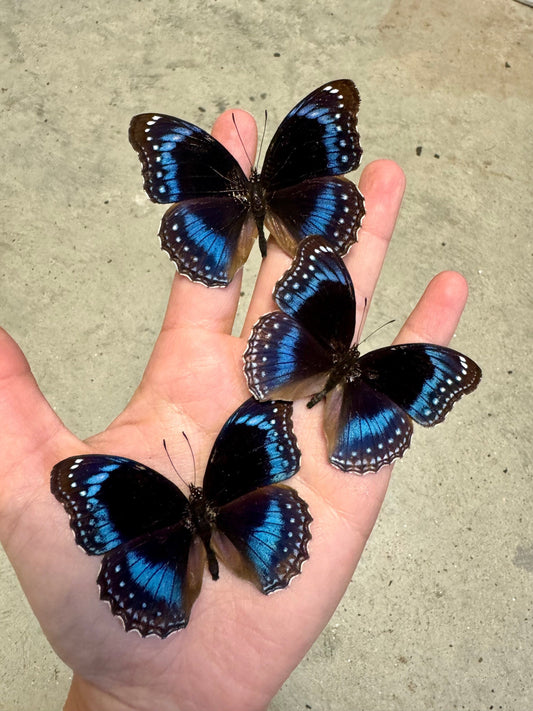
239	645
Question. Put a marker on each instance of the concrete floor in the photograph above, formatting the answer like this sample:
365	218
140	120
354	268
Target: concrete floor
438	615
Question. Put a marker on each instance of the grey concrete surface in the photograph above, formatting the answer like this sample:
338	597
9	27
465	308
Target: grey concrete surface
439	613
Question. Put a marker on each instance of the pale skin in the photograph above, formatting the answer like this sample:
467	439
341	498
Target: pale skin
240	645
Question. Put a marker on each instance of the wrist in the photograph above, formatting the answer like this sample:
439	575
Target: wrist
84	696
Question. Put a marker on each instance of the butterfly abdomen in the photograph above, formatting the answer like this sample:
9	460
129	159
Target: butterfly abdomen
258	205
201	520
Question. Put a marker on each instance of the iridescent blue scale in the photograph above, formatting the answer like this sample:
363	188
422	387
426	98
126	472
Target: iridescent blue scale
145	527
305	351
219	211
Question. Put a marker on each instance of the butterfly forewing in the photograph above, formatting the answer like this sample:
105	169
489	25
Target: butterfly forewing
424	379
111	500
181	161
256	447
317	138
318	293
148	584
283	360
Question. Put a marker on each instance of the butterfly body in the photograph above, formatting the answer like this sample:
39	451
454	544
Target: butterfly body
200	518
305	350
258	201
219	211
344	369
156	542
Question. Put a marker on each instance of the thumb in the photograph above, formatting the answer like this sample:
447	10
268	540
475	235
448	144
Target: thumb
32	437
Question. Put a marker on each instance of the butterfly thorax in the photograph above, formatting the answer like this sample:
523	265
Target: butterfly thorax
200	519
258	205
345	369
350	362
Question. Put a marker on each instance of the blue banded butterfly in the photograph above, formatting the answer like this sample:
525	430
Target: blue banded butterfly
218	211
305	351
155	541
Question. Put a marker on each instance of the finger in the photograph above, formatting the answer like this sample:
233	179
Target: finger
382	184
29	428
262	301
237	131
435	317
192	303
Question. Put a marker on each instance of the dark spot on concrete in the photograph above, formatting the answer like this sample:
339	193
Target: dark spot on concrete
523	557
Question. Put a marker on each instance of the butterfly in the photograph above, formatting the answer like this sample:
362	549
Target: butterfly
210	230
155	541
305	351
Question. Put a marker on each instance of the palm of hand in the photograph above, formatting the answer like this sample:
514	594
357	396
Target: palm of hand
239	645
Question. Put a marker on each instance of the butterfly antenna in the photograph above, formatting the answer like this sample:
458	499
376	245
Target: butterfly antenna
361	322
192	456
242	142
262	138
172	463
376	330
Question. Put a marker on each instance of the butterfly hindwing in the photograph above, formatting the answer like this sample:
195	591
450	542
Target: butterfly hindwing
111	500
209	239
365	430
146	582
330	207
269	527
181	161
317	138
